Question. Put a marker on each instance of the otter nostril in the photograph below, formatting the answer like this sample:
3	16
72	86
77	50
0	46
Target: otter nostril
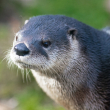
21	49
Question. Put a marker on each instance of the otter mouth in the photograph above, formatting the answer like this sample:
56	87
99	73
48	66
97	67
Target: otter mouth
21	62
24	65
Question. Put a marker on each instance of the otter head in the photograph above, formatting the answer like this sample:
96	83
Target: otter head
44	43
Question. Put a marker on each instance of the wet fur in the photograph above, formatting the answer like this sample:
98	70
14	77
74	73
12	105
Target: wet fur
75	72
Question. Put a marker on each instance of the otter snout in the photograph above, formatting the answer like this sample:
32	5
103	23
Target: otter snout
21	49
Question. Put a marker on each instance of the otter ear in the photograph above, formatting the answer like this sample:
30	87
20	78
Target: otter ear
72	32
26	21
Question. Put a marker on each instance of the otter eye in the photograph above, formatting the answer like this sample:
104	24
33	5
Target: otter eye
46	44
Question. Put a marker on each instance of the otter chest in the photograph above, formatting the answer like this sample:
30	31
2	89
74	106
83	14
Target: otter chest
49	85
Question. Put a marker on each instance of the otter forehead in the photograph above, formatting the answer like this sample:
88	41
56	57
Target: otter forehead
42	24
45	27
47	22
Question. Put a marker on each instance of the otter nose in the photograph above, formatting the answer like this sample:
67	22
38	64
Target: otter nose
21	49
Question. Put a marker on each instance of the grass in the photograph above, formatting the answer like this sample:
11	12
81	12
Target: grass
35	99
29	95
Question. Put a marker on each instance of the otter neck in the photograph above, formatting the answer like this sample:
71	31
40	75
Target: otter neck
74	88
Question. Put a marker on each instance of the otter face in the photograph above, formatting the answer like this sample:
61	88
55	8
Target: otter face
42	44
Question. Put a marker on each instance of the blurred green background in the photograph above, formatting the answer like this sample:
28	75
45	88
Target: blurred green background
16	91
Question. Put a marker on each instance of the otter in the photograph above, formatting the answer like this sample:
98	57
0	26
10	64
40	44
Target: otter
69	59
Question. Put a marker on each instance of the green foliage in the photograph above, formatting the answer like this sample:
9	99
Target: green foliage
3	31
35	99
90	12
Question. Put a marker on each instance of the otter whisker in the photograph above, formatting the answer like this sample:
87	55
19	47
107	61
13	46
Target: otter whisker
43	69
50	70
55	71
27	75
23	74
3	59
8	59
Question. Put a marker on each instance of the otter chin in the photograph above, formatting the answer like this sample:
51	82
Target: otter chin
69	59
